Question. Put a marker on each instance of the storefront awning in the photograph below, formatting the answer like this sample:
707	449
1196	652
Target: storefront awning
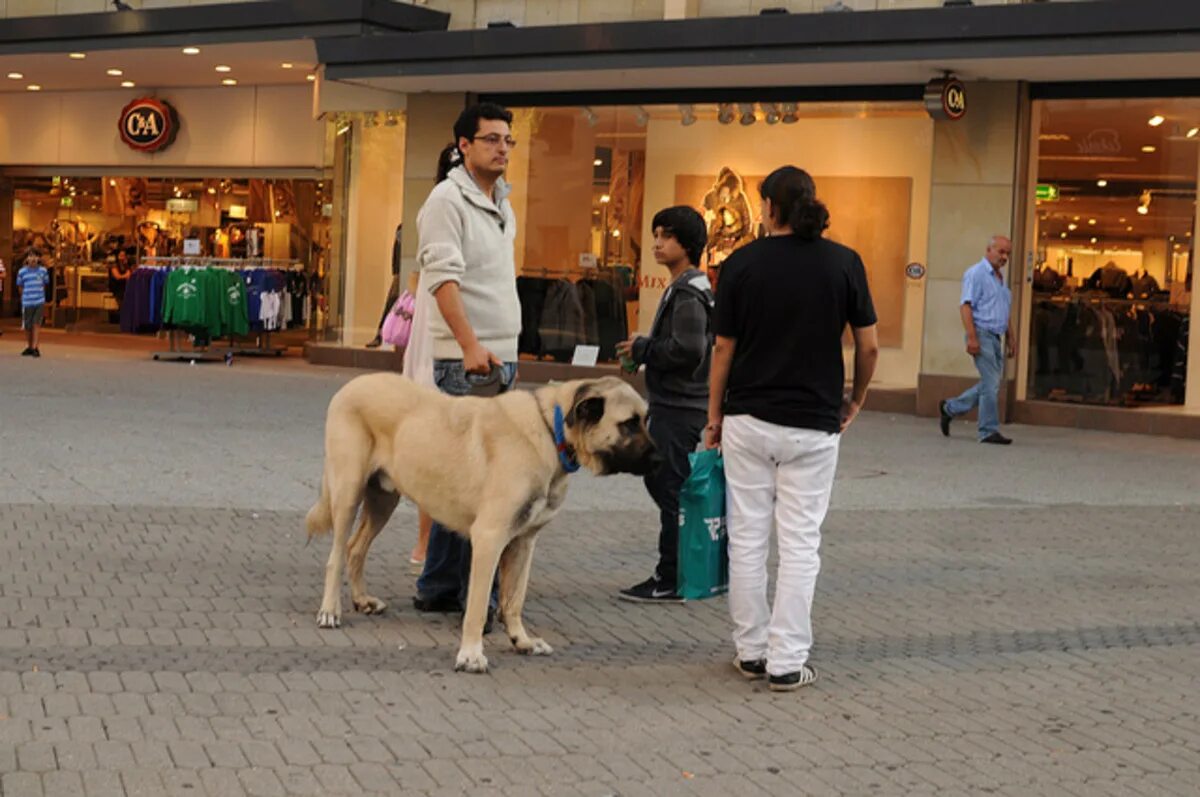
215	24
1056	41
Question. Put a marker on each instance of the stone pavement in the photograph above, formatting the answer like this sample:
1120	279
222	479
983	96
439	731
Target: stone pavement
1014	621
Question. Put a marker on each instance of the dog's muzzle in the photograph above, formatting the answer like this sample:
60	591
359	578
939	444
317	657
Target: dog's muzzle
639	461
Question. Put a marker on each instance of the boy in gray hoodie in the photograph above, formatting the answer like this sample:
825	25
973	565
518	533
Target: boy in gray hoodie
676	355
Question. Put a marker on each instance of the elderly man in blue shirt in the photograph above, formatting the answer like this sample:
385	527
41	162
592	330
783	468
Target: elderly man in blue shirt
986	316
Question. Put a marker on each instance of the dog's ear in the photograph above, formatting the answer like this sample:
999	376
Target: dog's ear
587	410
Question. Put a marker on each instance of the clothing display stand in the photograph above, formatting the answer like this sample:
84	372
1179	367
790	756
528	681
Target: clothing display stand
262	346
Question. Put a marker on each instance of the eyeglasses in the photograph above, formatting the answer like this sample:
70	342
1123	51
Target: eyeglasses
494	139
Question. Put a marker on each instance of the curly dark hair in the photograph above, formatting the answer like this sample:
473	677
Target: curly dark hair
794	197
466	126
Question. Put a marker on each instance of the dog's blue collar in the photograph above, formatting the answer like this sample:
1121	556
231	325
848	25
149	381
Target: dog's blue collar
566	456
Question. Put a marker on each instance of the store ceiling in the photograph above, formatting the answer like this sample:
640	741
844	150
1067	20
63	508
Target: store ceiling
257	64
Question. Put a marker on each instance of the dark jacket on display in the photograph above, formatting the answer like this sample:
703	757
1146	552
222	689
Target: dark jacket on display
678	351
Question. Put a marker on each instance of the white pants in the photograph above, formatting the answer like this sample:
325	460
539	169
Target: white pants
781	477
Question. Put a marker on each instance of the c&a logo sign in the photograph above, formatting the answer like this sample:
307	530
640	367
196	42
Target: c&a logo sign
148	124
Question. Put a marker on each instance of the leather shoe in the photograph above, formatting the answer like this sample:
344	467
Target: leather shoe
438	605
944	418
995	438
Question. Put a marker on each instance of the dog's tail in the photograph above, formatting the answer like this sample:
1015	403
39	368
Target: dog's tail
320	518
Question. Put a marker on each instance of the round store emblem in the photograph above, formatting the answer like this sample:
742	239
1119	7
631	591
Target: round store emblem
914	271
148	125
946	98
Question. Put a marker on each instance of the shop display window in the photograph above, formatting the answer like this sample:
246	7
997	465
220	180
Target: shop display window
91	231
588	180
1112	282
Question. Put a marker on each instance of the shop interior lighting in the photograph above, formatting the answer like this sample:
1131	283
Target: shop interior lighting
191	50
1156	120
286	65
771	113
605	199
1195	131
597	162
127	84
592	117
310	77
114	72
229	82
1102	183
33	87
1072	226
790	117
687	115
77	56
15	76
746	117
222	68
1149	148
725	113
1092	222
641	117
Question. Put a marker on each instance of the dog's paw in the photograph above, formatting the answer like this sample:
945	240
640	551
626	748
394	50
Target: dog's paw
328	619
533	646
471	661
369	605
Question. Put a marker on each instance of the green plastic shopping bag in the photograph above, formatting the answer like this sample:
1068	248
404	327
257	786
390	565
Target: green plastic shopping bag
703	542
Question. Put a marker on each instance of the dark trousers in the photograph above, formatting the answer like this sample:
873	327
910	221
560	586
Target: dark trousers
447	571
676	432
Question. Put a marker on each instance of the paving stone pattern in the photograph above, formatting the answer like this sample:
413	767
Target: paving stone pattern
1016	622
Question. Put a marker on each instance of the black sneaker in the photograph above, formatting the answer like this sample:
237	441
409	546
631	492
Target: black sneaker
652	590
792	680
944	418
27	353
751	670
997	439
36	353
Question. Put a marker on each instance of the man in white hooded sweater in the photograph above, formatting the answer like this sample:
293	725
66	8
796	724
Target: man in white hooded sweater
466	231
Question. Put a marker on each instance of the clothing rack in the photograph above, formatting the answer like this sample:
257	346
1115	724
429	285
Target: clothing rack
262	346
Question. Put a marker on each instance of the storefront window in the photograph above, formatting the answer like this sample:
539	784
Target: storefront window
91	231
588	180
1116	210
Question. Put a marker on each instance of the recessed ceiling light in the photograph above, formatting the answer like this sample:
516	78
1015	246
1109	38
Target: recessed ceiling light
1156	120
77	56
223	68
33	87
1128	229
229	82
191	50
286	65
1149	148
1093	240
1102	183
127	84
1063	235
1072	226
310	78
114	72
1092	222
597	162
1195	131
15	76
1121	220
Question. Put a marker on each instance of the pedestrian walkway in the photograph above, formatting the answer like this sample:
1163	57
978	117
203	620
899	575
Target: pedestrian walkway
1015	622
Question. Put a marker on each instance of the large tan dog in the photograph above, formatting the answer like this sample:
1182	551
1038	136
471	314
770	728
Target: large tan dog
492	468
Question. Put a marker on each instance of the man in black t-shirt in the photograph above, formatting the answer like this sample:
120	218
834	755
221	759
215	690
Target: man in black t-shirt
777	408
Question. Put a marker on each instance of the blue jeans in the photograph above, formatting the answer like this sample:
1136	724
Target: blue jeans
447	571
986	393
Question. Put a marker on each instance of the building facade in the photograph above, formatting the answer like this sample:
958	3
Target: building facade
1078	140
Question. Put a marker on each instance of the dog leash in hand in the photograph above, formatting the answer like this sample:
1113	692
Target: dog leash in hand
566	456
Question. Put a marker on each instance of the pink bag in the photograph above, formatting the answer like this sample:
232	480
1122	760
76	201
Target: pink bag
398	326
